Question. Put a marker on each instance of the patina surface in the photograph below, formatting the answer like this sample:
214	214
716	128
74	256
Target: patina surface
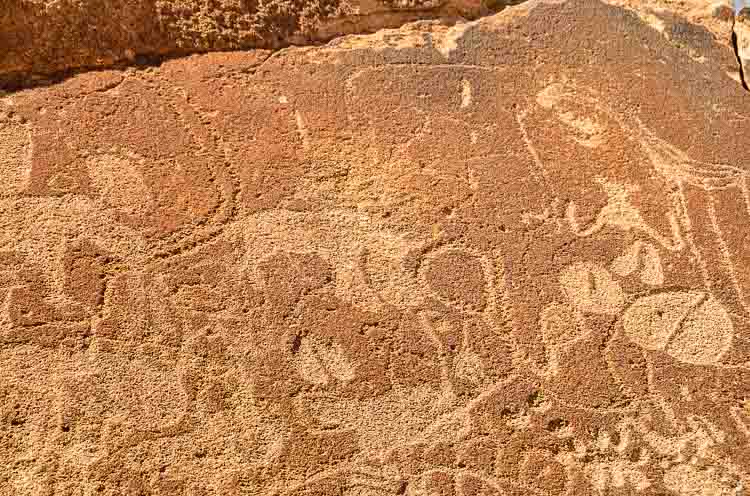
508	256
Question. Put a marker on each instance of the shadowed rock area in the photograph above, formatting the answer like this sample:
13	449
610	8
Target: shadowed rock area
42	38
501	257
46	41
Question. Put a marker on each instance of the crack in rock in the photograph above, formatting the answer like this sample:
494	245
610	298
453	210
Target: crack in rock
47	42
741	43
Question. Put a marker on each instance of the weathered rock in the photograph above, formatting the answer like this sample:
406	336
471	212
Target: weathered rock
741	37
722	10
40	38
43	40
507	256
716	17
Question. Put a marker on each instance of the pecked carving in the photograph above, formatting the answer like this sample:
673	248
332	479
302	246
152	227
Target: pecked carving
496	258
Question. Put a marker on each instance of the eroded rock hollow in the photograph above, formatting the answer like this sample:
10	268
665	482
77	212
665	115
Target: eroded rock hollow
501	257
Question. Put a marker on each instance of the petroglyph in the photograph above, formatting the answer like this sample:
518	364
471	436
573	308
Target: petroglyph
677	166
591	289
118	181
643	256
652	320
690	326
621	214
304	133
493	257
586	130
465	93
319	363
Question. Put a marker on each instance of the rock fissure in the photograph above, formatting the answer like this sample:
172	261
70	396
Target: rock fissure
740	68
32	61
741	43
181	42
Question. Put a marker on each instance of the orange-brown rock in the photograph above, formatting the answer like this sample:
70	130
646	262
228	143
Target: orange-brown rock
42	38
741	39
501	257
45	40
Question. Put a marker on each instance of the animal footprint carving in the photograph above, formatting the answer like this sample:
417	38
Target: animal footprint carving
690	326
645	256
591	289
321	364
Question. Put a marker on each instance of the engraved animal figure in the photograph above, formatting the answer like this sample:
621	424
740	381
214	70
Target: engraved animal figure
673	165
675	201
691	326
621	456
640	254
620	213
692	334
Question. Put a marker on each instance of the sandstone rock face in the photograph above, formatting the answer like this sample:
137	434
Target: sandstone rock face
43	40
502	257
716	16
741	38
41	37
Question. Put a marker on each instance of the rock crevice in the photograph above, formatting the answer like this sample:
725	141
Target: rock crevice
741	43
46	42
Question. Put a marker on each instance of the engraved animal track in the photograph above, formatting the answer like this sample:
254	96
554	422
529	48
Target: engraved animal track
591	289
642	256
425	261
319	363
691	326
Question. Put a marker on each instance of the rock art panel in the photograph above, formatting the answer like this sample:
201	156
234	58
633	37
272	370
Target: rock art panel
498	257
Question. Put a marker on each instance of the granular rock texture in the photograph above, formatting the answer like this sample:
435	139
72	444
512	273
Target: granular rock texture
741	39
506	257
43	40
40	38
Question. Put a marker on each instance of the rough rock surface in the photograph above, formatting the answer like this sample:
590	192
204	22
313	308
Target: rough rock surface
506	257
44	37
741	39
716	16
